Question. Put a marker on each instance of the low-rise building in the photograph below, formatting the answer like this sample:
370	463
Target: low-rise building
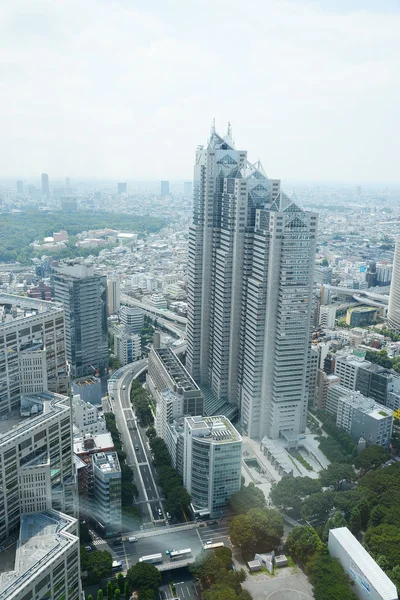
87	418
370	582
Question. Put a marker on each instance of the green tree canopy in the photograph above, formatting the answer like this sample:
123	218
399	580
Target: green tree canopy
289	492
372	457
143	576
241	532
384	540
328	578
219	591
317	506
99	565
303	542
246	498
335	473
267	526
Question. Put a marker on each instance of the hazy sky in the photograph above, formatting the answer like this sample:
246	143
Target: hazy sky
127	89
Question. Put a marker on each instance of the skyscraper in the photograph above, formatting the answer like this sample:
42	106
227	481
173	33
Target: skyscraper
84	296
251	262
114	294
164	188
20	186
394	296
45	185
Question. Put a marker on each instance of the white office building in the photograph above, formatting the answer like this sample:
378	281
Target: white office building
132	318
32	349
47	562
394	296
87	418
364	418
327	316
250	290
127	346
370	582
211	463
107	491
347	366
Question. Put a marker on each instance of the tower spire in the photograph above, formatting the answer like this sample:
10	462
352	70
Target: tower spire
229	133
213	127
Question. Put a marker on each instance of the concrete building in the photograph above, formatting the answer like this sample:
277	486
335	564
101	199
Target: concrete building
166	372
122	188
46	559
164	189
40	292
312	375
212	463
324	383
370	582
107	491
323	275
113	295
364	418
45	185
84	297
347	366
32	349
132	318
327	316
88	388
250	289
394	296
333	394
36	467
87	418
361	315
384	274
127	346
376	383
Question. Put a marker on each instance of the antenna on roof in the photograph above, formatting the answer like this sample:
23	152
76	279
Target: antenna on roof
213	126
229	134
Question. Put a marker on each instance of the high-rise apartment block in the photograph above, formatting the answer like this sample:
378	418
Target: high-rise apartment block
114	295
45	185
250	290
32	349
394	296
327	316
164	188
84	297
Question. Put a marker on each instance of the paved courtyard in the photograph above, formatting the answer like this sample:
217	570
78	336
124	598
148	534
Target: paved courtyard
288	584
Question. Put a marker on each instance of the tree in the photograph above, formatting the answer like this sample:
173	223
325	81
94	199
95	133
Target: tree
117	594
335	473
147	595
289	492
267	526
303	542
377	515
100	595
317	506
90	597
99	564
151	432
328	578
109	590
219	591
355	520
84	534
384	540
247	498
241	532
143	576
244	595
120	580
127	590
372	457
337	520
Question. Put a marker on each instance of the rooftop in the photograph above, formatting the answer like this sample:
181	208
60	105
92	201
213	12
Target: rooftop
23	308
93	443
365	563
213	429
107	462
176	370
42	537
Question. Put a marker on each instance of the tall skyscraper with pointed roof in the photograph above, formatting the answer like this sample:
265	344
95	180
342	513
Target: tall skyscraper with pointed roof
251	262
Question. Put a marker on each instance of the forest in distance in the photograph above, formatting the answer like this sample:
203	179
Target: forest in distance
19	230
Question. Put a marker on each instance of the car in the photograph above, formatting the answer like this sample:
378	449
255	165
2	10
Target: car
117	543
168	515
208	543
160	512
137	448
88	548
132	539
124	387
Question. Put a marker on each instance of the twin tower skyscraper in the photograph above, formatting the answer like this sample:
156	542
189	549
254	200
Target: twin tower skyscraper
250	293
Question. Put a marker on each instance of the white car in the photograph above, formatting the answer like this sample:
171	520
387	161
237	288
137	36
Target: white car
168	515
123	387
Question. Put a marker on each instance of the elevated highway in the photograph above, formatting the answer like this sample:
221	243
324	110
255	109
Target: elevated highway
362	296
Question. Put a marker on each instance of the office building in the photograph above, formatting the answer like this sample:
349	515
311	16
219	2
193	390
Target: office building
166	372
370	582
36	467
324	383
361	315
188	189
20	187
122	188
394	296
250	289
327	316
312	375
132	318
376	382
40	292
113	295
84	297
32	349
107	492
88	388
364	418
164	188
347	366
127	346
212	463
45	185
86	417
323	275
384	274
46	559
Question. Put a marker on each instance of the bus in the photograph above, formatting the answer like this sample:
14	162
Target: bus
152	558
179	554
213	546
117	565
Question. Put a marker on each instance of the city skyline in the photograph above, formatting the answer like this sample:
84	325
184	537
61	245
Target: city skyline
320	78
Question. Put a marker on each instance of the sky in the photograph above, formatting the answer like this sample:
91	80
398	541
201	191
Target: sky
127	89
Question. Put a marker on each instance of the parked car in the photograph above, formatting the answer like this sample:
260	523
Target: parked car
132	539
88	548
